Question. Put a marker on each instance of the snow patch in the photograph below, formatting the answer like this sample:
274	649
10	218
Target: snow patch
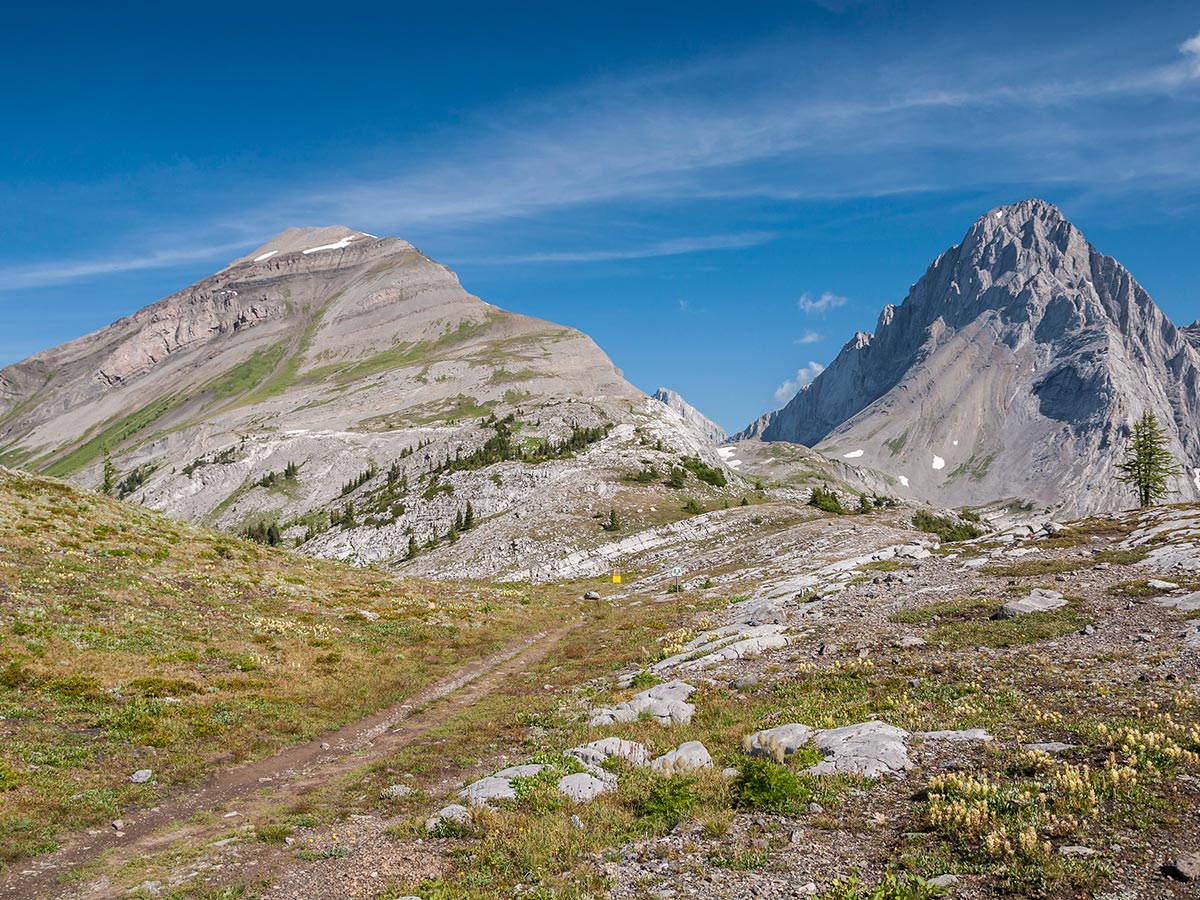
266	255
726	452
938	462
853	454
956	443
903	480
1196	478
340	245
735	464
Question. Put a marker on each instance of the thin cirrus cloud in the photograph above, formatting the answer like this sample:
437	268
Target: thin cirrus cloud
805	375
809	337
754	126
825	302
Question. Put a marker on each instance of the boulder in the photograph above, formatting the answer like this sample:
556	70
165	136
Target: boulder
395	791
1184	867
778	743
665	703
583	787
454	814
141	776
970	734
871	749
596	752
687	757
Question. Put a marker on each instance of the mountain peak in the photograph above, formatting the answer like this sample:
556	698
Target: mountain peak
309	241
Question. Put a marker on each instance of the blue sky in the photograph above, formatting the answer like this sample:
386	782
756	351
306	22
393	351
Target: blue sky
720	194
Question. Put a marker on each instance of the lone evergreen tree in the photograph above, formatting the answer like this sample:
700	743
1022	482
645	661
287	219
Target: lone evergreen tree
1148	463
110	473
469	518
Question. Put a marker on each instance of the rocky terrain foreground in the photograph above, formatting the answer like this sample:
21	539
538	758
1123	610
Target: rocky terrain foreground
876	706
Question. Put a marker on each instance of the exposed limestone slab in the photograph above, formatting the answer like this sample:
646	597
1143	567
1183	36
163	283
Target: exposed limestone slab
1039	600
665	703
596	752
1186	603
967	735
871	749
498	786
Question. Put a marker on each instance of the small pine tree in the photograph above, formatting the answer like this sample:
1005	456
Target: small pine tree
411	553
469	518
1148	463
110	473
864	504
678	478
613	523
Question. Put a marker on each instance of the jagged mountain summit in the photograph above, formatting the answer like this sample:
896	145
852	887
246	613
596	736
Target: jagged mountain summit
702	423
1012	370
345	391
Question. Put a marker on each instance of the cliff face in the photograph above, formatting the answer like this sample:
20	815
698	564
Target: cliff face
702	423
1012	369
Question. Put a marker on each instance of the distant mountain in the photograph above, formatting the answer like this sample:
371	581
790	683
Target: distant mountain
690	414
345	391
1013	369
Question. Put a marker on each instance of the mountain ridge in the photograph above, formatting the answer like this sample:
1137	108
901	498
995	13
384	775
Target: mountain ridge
1022	344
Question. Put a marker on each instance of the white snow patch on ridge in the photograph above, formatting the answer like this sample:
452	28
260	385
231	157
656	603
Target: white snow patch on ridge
853	454
340	245
938	462
1196	478
904	480
266	255
726	452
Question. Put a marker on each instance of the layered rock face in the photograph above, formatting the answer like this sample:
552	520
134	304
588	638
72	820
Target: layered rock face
696	419
1012	370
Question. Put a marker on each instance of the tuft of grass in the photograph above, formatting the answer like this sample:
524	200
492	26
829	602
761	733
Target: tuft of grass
763	784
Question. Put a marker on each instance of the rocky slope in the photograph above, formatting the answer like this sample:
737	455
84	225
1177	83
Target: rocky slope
690	414
1012	370
345	391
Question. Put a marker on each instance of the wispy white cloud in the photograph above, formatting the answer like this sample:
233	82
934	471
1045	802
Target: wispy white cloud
52	272
827	301
1191	51
809	337
673	247
805	375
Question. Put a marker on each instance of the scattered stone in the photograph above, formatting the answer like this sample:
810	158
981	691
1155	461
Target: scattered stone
909	642
118	825
454	814
583	787
1039	600
745	682
779	742
591	595
1076	850
816	808
1159	585
395	791
687	757
141	776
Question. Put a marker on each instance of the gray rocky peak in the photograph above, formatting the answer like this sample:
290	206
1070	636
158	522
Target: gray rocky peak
692	416
1012	369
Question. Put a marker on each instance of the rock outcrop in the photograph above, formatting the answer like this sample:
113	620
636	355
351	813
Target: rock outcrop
692	416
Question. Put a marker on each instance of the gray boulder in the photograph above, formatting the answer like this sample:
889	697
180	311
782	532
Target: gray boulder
596	752
665	703
454	814
778	743
870	749
687	757
141	776
584	787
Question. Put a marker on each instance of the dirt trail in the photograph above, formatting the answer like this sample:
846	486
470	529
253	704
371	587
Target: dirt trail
268	783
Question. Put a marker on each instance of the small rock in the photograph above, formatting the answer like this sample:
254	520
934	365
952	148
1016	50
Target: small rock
324	746
591	595
395	791
1185	867
945	881
816	808
910	641
1039	600
141	776
745	682
455	814
583	787
1076	850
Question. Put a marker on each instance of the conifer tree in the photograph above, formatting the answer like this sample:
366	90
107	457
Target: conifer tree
1148	463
